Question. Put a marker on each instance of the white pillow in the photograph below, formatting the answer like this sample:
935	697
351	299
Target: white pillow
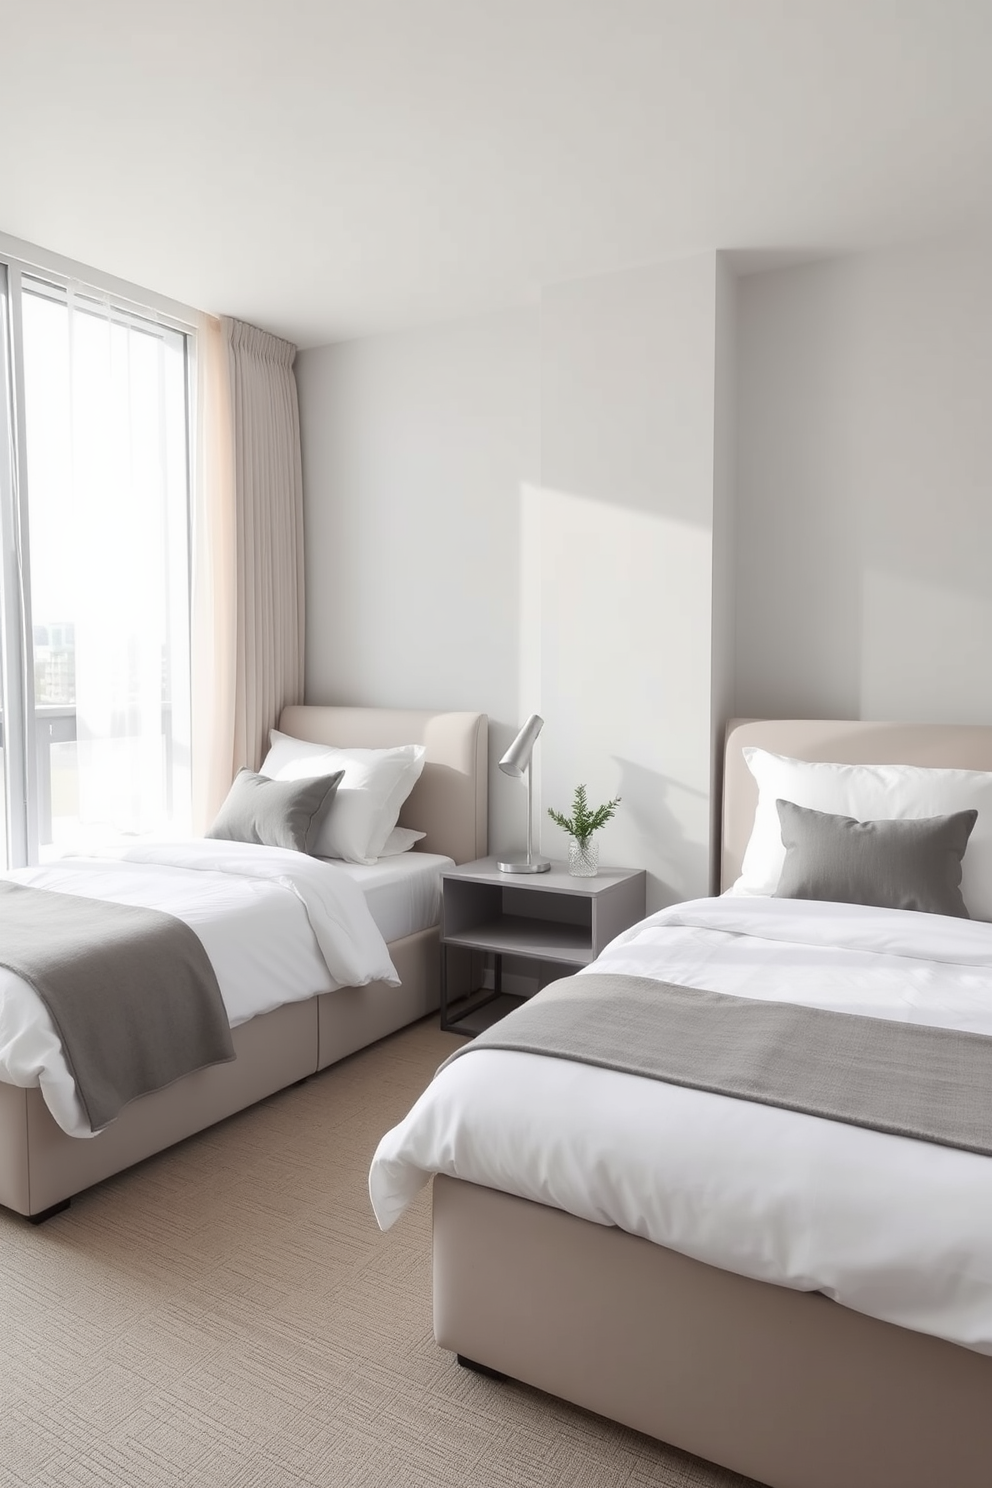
369	799
400	840
868	793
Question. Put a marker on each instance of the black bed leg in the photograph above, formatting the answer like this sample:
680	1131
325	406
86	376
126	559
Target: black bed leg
492	1374
49	1213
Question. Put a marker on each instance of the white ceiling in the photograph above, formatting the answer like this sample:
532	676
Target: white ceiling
326	168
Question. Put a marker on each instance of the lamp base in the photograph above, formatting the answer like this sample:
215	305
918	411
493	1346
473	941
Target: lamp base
523	864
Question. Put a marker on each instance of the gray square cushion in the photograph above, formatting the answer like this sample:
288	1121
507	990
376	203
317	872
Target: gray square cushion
275	813
912	863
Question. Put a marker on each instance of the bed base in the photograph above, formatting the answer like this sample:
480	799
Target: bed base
47	1214
786	1387
41	1168
475	1367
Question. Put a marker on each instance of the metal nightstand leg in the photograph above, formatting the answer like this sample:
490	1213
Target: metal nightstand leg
474	1001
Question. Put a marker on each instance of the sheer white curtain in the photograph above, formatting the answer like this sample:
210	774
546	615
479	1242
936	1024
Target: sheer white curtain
248	611
127	541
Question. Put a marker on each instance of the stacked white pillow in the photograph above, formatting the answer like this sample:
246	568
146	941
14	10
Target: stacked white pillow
867	793
374	786
400	840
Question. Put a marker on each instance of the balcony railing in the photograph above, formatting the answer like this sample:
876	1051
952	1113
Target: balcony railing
55	724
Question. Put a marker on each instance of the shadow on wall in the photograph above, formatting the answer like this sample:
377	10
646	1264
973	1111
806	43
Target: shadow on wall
649	802
864	464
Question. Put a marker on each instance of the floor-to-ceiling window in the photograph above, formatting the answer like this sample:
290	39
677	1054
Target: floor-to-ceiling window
94	508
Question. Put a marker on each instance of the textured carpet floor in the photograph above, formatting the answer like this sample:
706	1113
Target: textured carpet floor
227	1315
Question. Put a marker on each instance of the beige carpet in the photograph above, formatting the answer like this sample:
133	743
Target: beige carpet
229	1314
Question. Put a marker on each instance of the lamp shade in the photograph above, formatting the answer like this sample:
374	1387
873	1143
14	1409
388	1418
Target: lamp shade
517	757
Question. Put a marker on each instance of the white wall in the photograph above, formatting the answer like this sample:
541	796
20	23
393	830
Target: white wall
723	678
415	448
567	509
515	514
864	581
622	533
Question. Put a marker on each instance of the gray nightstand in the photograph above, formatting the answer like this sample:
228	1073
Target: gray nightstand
550	917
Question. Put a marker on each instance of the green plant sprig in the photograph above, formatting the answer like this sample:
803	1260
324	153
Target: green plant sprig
583	822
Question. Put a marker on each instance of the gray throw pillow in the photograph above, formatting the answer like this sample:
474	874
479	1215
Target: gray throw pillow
275	813
912	863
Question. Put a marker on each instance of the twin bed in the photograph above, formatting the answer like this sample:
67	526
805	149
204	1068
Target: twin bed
803	1300
265	925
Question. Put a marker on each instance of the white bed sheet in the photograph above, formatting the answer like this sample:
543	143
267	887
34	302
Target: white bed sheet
278	927
898	1229
403	893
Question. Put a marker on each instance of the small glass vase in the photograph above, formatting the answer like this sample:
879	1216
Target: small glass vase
583	858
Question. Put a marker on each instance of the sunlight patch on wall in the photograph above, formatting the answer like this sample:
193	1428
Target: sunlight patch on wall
615	654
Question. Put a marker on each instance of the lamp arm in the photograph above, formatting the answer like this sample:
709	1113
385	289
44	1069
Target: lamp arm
530	810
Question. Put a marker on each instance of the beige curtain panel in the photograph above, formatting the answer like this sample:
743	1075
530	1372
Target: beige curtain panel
248	595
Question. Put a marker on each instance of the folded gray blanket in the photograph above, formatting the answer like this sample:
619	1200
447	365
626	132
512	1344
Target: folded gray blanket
933	1084
131	992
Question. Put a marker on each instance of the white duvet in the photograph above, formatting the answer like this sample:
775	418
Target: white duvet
892	1227
278	927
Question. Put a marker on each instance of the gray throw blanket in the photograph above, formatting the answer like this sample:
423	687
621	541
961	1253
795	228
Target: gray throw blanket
934	1084
131	992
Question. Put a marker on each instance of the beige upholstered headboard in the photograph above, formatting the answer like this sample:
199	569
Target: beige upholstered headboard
947	745
450	800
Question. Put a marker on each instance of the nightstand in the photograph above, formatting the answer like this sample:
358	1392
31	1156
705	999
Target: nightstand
548	917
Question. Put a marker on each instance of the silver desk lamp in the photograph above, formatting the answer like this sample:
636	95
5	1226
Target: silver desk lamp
516	761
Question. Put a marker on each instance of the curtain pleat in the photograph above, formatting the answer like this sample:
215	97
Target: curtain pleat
256	630
214	579
269	487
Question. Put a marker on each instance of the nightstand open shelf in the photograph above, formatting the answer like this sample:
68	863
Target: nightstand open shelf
549	917
519	935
